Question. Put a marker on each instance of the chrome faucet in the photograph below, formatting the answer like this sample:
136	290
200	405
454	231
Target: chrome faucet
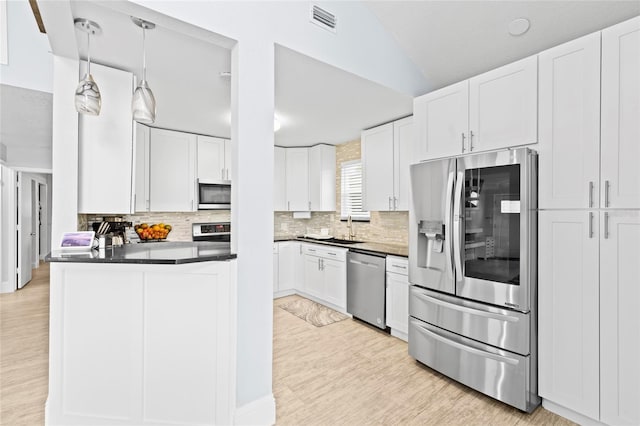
350	226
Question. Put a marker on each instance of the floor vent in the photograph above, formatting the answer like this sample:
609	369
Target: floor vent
322	18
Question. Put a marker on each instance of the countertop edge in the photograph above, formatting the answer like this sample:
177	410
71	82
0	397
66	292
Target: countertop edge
364	246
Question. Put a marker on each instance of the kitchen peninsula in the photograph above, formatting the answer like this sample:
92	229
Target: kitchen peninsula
143	334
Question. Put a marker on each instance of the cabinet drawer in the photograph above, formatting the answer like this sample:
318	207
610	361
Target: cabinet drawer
499	374
326	252
497	327
398	265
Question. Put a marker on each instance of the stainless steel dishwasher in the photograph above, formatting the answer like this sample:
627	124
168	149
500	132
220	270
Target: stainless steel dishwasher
366	287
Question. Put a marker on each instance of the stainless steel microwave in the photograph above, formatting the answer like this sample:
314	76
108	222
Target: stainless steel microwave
214	195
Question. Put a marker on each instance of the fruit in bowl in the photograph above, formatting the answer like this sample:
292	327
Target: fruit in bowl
148	232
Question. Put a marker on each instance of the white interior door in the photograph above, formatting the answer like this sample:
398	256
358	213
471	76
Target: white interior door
25	230
35	224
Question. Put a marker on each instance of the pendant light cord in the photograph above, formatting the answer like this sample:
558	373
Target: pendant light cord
144	55
89	52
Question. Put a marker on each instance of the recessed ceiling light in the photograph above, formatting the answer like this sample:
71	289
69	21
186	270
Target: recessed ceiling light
518	26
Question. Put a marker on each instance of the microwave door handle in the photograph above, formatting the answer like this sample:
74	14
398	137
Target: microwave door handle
457	226
447	223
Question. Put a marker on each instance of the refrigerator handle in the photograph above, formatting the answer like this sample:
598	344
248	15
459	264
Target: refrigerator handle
447	224
457	226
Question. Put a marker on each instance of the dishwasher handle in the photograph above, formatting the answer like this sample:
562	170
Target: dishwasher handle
363	263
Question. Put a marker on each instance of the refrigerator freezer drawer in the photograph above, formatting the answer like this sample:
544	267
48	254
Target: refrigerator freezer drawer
505	329
500	374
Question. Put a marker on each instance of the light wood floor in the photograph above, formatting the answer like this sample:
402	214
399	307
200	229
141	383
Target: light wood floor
348	373
24	352
345	373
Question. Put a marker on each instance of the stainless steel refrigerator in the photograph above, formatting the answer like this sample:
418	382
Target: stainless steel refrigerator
472	269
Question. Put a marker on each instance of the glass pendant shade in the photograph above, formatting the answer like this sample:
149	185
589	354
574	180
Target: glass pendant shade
143	104
87	98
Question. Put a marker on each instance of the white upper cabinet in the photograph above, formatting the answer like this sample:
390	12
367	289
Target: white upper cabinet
212	159
620	126
279	179
503	106
322	178
297	179
105	147
569	124
387	151
494	110
377	168
403	154
142	168
442	121
620	318
172	164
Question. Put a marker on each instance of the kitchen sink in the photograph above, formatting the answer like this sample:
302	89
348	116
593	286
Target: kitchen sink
340	241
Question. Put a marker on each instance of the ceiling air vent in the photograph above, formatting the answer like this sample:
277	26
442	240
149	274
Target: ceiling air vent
322	18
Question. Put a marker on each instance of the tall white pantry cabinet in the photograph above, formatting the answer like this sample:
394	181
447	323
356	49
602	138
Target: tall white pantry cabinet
589	226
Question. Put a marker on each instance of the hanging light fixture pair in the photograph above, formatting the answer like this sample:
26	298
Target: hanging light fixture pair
88	99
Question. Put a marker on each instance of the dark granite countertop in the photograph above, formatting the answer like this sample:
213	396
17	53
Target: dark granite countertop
392	249
164	253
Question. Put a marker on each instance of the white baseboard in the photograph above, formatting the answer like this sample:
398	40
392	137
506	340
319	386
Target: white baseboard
6	287
570	414
283	293
261	412
399	334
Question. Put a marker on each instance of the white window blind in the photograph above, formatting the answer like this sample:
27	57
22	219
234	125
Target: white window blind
351	191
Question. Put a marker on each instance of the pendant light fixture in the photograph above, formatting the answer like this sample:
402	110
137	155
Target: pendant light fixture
143	104
87	99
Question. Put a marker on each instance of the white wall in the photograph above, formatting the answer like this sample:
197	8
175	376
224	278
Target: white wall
30	63
7	230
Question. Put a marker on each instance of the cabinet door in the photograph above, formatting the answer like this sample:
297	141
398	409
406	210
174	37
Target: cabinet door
172	166
442	122
377	168
287	256
503	106
297	179
228	153
322	178
313	278
569	125
620	140
620	318
276	269
403	151
335	282
279	180
142	169
211	156
398	302
105	147
568	304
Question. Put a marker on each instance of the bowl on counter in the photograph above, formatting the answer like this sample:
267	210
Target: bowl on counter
155	232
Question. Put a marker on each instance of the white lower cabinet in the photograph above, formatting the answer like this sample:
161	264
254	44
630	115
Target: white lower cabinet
276	260
325	274
290	269
620	318
397	307
589	344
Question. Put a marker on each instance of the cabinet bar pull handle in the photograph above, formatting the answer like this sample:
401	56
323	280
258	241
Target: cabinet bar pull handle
606	225
395	203
470	140
590	194
398	266
389	203
463	137
222	174
590	224
606	193
322	264
288	205
309	205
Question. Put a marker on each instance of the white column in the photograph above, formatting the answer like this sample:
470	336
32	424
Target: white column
252	106
64	209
